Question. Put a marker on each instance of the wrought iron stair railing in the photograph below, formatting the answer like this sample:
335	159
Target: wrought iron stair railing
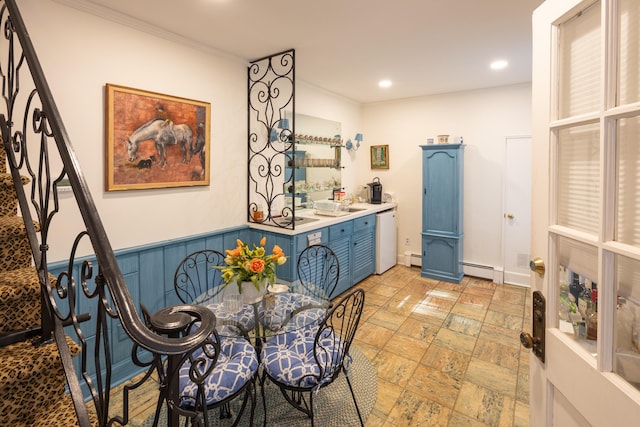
38	146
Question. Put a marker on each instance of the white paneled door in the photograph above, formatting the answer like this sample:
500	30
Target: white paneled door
517	210
586	212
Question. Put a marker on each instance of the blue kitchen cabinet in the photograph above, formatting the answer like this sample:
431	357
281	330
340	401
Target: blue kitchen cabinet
442	203
363	247
340	243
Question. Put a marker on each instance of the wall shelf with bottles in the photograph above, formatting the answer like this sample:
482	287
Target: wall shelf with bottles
318	140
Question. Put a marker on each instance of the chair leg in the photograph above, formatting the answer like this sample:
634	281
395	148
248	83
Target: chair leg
247	394
264	400
311	408
253	402
225	411
353	395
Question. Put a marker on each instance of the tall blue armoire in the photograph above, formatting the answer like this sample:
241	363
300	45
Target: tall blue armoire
442	198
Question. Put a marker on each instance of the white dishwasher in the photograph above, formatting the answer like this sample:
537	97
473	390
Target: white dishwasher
385	240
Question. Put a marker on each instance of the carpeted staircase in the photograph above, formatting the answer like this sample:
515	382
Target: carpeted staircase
32	380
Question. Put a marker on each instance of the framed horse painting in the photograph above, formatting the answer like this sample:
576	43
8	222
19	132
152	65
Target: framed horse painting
155	140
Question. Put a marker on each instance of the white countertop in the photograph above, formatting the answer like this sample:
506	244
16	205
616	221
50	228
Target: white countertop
323	221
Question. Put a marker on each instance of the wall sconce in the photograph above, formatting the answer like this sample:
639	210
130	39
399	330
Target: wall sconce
351	146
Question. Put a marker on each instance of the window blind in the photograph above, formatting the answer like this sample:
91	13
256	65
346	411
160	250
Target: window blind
628	52
627	227
579	64
578	178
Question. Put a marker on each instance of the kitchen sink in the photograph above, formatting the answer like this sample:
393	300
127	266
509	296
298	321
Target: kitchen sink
304	219
284	221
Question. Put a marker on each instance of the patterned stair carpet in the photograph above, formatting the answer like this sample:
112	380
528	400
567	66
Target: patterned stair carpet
334	406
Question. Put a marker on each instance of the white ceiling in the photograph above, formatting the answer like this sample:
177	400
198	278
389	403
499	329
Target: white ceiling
346	46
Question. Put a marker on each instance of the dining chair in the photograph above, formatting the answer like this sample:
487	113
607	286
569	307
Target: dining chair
303	361
209	377
214	375
198	281
318	272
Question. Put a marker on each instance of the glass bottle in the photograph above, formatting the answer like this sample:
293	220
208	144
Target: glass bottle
565	303
591	317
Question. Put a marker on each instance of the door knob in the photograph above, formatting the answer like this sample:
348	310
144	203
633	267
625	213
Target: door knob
537	265
510	216
527	340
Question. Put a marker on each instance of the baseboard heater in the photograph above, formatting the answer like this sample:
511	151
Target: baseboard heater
412	258
469	269
478	270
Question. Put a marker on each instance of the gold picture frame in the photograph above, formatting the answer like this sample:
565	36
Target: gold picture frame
379	157
155	140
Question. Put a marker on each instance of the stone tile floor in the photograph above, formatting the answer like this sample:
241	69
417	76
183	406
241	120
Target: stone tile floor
446	354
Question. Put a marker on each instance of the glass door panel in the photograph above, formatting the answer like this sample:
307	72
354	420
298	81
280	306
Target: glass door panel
578	292
579	67
578	177
627	320
628	52
627	226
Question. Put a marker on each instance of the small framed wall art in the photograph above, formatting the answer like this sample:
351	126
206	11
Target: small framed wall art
379	157
155	140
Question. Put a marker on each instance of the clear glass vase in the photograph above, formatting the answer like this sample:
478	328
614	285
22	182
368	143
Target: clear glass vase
250	294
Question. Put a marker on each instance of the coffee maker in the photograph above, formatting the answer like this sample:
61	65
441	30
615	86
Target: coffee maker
375	191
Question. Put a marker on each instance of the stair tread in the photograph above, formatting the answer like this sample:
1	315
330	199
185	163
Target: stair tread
34	377
7	180
19	283
51	410
24	359
13	225
19	299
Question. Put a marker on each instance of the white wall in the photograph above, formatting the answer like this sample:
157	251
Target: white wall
80	53
484	118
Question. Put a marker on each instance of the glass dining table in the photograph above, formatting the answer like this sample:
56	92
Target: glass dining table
285	307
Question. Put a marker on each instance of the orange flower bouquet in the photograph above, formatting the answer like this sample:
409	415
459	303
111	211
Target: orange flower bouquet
252	263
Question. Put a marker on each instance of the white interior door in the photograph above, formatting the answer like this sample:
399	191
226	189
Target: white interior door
586	216
517	210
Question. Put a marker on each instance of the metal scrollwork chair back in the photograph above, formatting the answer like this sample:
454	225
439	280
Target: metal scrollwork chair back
318	270
196	279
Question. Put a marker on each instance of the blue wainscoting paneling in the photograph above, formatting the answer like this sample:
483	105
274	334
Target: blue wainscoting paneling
148	271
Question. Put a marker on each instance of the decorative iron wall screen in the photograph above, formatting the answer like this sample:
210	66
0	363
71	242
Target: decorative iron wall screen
271	110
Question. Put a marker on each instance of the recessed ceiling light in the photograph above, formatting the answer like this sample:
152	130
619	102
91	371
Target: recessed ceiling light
499	65
384	83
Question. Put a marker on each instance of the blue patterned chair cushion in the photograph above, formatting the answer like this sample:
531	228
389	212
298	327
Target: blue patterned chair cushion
237	364
244	317
274	316
289	358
